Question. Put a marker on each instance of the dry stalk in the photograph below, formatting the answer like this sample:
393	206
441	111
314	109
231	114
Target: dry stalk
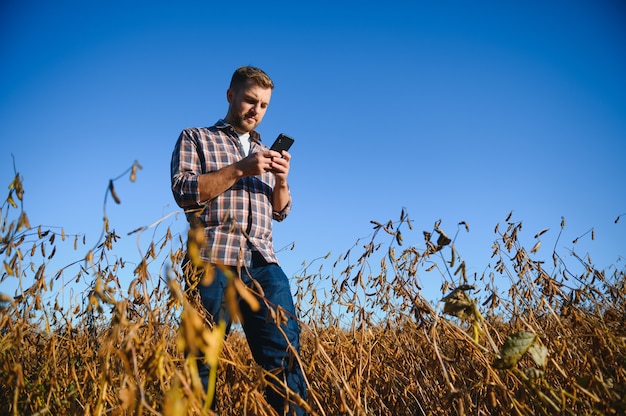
371	343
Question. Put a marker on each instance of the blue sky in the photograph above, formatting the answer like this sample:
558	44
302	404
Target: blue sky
454	110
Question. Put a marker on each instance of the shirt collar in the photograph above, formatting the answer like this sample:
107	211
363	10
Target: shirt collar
223	125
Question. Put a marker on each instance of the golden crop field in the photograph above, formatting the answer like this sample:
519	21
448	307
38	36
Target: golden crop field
553	343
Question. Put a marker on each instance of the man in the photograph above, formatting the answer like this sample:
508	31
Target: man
234	186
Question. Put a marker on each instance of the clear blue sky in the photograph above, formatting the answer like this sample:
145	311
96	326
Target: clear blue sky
455	110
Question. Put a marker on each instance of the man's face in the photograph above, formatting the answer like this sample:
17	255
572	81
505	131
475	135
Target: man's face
247	106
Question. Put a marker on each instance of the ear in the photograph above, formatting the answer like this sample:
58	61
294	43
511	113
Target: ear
229	95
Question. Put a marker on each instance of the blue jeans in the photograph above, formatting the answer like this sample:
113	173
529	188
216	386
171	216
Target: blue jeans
267	342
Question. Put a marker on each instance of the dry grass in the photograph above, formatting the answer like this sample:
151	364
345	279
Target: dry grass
372	344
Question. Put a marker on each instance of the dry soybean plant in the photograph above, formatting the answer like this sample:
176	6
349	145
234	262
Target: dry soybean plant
552	343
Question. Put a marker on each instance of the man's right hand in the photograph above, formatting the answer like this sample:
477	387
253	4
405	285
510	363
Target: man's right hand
256	163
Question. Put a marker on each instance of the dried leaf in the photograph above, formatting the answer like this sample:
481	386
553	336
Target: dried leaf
246	294
175	401
23	222
452	257
536	247
514	348
539	353
461	269
128	396
113	194
458	304
443	239
213	340
4	298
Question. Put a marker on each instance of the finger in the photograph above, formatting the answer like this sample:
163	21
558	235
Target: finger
280	163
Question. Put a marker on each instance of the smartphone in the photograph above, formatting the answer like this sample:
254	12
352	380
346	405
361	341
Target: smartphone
282	142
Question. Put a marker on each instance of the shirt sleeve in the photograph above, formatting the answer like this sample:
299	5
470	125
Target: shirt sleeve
185	168
280	216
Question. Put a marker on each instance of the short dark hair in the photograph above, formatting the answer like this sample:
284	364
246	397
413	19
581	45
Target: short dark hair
245	73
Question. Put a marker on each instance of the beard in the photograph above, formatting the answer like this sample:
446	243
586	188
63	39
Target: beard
243	123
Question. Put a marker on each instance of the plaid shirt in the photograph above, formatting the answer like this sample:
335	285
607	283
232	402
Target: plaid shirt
238	220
